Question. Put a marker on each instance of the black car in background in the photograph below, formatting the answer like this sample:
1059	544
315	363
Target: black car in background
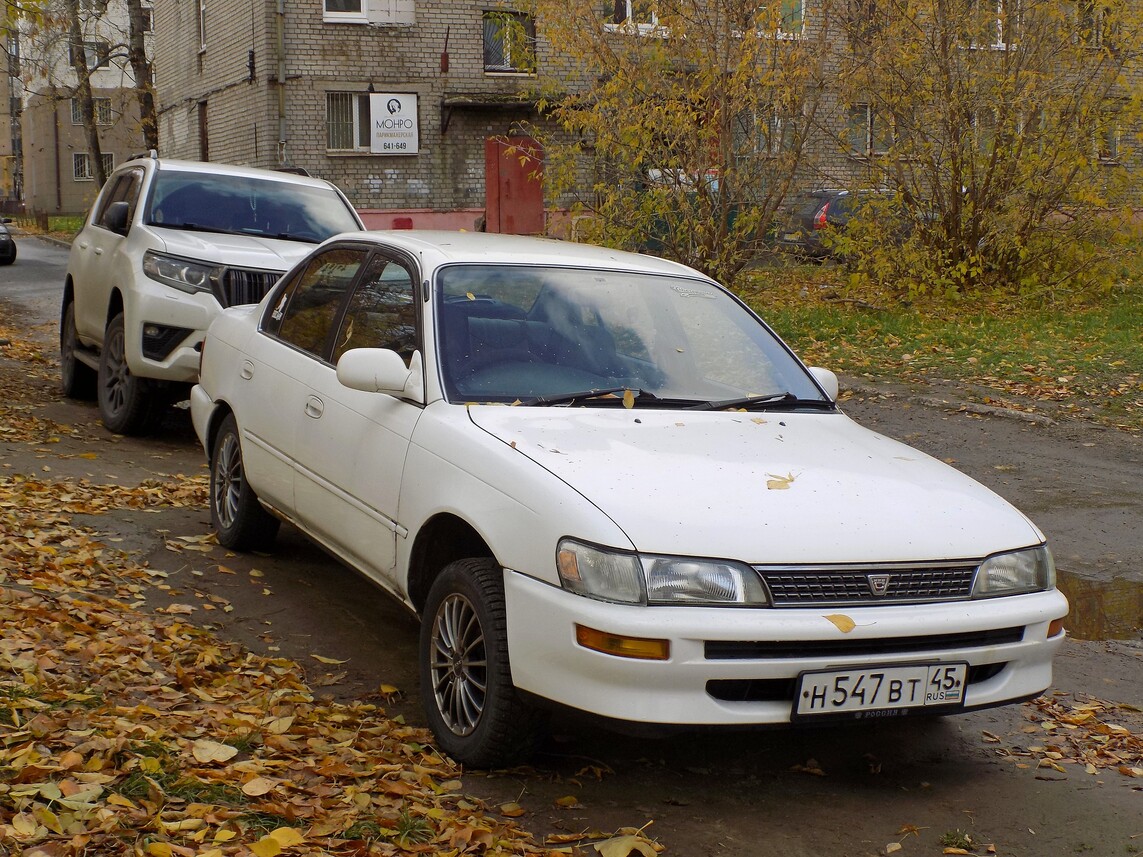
816	216
7	243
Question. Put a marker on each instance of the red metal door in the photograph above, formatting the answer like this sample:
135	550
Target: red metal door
513	186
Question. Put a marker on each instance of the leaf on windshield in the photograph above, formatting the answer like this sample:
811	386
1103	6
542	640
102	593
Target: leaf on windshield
628	399
779	483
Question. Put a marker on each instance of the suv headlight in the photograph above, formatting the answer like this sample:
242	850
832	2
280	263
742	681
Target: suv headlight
644	579
182	274
1031	570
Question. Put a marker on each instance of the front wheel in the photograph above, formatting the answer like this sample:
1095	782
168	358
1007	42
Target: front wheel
76	378
126	403
235	513
466	681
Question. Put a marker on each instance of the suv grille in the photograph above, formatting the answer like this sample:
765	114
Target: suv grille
240	286
867	584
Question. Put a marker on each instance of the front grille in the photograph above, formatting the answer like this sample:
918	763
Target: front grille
241	286
892	584
720	650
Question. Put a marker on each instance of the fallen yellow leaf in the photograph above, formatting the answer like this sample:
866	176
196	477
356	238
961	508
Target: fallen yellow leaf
843	623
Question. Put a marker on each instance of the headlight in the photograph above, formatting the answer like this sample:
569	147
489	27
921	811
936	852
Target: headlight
183	274
1031	570
633	579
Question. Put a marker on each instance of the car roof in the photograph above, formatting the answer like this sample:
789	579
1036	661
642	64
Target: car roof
216	168
440	247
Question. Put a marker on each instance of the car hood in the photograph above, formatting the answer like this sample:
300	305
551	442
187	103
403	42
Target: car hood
243	251
762	488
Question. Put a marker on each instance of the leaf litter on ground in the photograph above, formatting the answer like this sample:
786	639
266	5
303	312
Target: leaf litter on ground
128	732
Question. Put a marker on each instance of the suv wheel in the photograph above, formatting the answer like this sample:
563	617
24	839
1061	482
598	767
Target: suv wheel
466	683
76	378
126	402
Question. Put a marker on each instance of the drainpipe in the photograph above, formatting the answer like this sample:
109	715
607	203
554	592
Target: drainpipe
56	139
281	51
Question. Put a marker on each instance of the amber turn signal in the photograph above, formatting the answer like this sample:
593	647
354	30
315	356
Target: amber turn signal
641	648
1055	628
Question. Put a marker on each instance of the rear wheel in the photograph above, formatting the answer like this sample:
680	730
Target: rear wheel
126	403
238	518
466	681
76	378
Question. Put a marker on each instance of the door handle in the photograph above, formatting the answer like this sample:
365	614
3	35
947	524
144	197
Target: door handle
315	407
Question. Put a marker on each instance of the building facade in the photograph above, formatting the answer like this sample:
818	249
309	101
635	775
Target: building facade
417	109
414	109
57	170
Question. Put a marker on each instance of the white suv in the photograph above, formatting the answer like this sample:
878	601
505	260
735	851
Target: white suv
166	246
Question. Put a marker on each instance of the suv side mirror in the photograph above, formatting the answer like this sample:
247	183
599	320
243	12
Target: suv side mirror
117	216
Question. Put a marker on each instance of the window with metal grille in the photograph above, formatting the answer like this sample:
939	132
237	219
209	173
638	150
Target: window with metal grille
101	107
347	121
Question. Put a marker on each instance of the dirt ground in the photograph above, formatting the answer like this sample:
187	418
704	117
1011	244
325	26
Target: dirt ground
844	792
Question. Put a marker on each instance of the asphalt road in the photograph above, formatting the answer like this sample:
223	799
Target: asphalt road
840	792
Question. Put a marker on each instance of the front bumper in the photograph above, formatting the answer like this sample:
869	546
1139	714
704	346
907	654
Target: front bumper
151	303
688	688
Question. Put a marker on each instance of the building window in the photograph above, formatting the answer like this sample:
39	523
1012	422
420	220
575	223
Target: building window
344	10
101	108
509	42
993	23
769	132
1107	136
200	20
81	166
347	121
1095	26
148	17
95	53
868	134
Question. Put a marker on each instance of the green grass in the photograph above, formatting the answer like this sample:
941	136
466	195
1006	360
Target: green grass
1084	358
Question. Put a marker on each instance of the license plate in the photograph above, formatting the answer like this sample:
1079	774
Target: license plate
886	690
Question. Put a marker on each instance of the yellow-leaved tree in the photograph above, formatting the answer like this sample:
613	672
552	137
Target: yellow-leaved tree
1007	129
678	127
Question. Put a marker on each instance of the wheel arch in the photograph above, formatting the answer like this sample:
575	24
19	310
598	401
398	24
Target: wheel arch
443	539
221	411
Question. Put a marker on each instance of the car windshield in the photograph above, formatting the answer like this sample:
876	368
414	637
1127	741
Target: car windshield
244	205
561	336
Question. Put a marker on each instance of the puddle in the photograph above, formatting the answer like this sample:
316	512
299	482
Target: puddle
1103	610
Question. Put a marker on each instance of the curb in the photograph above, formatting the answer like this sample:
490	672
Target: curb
948	404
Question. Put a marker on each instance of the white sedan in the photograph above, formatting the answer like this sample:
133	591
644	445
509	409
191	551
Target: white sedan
602	482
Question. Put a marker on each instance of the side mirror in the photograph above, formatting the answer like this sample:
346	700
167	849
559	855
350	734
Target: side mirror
381	370
827	380
117	216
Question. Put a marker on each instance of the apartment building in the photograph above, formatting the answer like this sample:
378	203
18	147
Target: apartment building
57	166
415	109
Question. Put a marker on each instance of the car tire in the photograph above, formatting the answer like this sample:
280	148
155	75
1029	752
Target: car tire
76	378
466	682
238	518
126	403
10	258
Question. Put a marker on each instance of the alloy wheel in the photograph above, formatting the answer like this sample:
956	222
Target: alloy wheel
459	664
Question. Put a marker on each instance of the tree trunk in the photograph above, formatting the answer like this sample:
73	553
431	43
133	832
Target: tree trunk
83	92
141	68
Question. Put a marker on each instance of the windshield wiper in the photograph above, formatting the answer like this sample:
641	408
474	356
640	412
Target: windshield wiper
585	395
773	400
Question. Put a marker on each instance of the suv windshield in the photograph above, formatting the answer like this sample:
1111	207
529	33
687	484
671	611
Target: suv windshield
545	335
243	205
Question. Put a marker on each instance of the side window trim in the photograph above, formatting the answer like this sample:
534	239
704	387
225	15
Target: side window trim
386	256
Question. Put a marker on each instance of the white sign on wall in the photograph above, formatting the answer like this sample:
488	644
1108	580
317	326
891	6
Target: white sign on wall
394	122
